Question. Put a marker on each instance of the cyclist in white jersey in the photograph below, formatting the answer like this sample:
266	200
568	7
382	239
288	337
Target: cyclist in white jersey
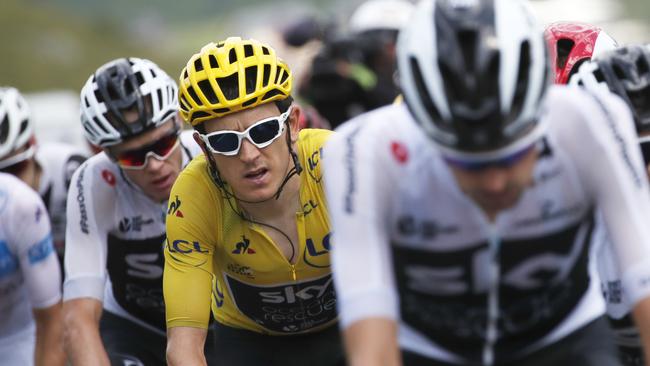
462	218
116	213
30	295
625	72
46	168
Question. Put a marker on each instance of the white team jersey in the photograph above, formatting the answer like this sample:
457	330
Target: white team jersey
114	240
29	269
57	161
409	245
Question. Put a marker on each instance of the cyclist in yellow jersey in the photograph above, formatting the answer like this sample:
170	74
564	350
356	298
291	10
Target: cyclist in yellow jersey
247	224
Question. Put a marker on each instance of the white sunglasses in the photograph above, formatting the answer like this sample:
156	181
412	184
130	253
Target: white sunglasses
261	134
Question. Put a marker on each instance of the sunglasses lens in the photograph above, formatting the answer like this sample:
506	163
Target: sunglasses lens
224	143
165	145
138	158
265	132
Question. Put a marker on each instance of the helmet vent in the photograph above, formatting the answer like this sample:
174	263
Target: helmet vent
138	76
523	77
206	89
159	95
642	66
467	40
271	94
213	62
195	97
620	73
251	78
266	75
198	65
4	129
229	86
423	93
265	51
248	50
232	56
112	93
249	102
23	126
564	48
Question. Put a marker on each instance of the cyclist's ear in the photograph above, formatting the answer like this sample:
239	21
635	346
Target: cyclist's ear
294	122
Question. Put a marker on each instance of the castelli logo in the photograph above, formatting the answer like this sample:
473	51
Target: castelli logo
399	152
108	177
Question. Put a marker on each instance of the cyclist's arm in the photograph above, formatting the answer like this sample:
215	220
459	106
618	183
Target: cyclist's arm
49	336
372	342
185	346
83	343
40	267
89	210
187	276
358	202
610	164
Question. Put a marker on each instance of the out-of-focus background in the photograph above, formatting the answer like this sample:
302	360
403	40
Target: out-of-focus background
50	47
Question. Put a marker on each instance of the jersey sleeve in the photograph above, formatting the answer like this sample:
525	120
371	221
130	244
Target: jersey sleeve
34	248
609	162
358	191
89	211
188	274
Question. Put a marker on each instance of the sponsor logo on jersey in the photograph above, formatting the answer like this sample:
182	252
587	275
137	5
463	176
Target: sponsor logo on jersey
286	308
549	212
350	167
408	225
238	269
174	208
8	262
400	153
40	250
109	177
217	294
134	223
308	207
81	200
312	163
243	247
317	255
38	214
612	291
185	247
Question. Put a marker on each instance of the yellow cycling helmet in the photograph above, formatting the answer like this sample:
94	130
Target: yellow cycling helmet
230	76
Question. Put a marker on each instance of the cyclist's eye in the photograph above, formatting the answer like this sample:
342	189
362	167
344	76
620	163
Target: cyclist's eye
265	131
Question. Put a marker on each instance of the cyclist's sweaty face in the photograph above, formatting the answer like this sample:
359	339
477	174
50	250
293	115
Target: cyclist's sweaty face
496	188
254	174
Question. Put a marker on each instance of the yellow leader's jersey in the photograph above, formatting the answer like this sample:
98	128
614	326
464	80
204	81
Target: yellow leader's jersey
211	249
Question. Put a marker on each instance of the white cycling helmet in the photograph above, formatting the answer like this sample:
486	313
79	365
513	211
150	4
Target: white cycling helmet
380	15
123	85
15	124
473	73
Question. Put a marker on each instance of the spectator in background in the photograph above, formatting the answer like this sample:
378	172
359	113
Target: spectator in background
46	168
354	74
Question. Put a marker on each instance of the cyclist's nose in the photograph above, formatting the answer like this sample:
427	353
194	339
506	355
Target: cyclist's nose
248	152
494	179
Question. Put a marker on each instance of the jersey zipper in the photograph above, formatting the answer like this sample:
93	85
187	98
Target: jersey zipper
494	277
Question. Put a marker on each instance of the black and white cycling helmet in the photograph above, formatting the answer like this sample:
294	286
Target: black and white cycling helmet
625	72
15	124
126	85
473	74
